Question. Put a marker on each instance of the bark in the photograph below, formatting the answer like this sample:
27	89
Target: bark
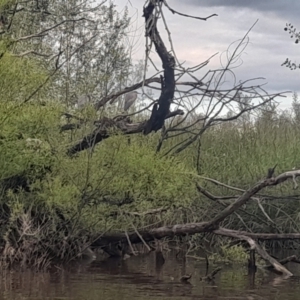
161	110
182	230
104	126
150	235
240	201
292	258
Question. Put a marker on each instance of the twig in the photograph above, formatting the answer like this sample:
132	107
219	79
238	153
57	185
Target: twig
189	16
43	32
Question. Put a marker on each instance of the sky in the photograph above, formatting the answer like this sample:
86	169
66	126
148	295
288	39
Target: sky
195	40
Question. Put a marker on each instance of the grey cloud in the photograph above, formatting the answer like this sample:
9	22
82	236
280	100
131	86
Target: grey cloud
265	5
288	11
269	46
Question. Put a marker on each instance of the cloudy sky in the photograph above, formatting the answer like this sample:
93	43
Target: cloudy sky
196	40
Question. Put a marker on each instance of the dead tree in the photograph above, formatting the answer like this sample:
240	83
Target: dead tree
186	90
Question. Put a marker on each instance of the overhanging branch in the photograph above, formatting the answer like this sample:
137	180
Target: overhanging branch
103	127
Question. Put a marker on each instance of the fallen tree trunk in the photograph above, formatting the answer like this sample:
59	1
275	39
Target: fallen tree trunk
292	258
182	230
107	241
150	235
104	126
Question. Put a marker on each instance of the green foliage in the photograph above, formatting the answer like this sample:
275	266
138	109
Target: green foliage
233	254
239	154
19	77
143	174
242	156
84	192
116	174
4	3
24	136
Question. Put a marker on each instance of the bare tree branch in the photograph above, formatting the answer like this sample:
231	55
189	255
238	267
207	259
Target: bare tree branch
189	16
254	246
102	130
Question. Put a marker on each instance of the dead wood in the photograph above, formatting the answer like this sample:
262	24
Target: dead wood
193	228
268	236
241	200
255	246
162	109
284	261
160	112
109	240
152	234
105	127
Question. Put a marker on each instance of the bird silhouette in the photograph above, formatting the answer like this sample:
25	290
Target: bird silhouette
129	99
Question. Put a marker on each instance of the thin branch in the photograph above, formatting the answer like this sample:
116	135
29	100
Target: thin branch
43	32
189	16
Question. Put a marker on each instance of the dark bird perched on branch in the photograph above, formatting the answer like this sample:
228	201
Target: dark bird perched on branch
271	172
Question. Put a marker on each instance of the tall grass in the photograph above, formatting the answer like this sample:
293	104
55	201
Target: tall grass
239	154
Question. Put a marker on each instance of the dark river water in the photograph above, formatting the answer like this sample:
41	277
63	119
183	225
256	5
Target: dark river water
141	278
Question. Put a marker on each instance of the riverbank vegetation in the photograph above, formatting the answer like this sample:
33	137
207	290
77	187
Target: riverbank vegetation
77	173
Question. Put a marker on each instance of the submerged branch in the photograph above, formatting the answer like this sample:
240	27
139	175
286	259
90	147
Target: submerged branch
254	246
292	258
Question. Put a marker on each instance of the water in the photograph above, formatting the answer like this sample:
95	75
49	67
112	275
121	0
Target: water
140	278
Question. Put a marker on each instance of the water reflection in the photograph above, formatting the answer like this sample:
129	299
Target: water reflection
142	278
